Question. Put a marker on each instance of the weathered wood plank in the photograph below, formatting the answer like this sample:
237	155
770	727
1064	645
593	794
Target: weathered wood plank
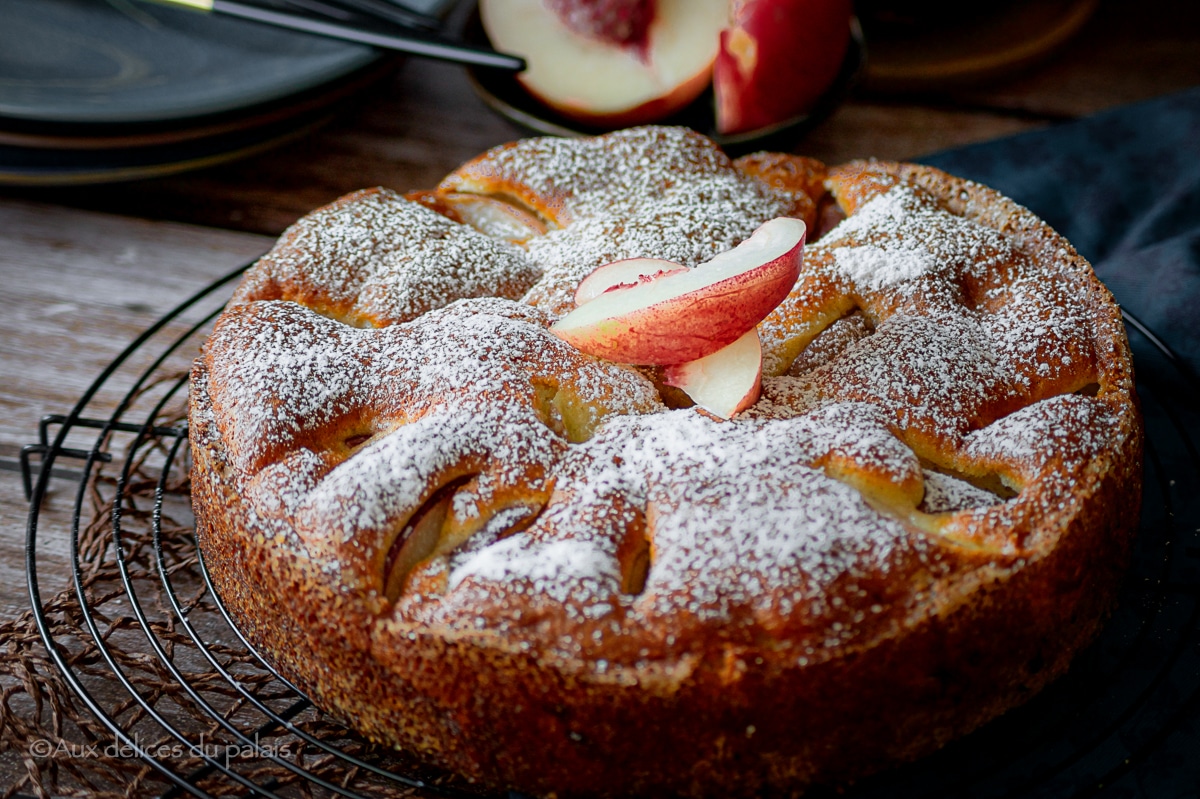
76	288
79	286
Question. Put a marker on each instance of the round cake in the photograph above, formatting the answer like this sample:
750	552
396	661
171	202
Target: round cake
549	571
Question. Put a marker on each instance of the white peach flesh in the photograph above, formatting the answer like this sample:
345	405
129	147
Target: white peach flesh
623	274
684	316
724	383
600	82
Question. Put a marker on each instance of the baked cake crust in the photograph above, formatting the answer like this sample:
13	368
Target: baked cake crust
466	538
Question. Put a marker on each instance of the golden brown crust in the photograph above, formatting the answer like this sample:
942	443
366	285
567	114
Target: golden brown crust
915	609
374	258
803	178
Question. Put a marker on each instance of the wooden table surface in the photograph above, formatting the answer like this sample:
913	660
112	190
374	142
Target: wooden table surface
83	270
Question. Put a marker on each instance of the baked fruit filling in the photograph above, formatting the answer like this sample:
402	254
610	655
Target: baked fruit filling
651	448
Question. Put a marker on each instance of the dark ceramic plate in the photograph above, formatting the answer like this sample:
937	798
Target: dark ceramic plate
121	61
83	154
505	95
28	166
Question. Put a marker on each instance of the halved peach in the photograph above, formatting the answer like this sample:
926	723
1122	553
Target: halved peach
776	59
587	74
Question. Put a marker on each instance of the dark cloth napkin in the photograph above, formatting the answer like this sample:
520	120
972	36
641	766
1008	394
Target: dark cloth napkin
1124	187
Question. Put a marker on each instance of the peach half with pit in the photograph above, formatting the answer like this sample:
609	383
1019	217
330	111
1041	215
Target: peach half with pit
610	63
617	63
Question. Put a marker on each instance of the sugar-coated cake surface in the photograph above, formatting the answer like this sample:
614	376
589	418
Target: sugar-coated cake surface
545	571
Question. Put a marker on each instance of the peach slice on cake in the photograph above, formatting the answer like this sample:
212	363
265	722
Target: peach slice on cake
700	324
623	274
610	63
688	314
724	383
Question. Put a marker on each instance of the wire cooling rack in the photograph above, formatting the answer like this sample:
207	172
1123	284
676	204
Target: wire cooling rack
184	704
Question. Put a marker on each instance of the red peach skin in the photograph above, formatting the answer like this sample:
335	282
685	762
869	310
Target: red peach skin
777	59
686	316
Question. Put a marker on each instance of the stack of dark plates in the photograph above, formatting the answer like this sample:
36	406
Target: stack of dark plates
94	90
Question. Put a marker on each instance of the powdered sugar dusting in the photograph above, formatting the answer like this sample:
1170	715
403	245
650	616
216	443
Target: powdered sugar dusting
878	268
944	494
644	192
569	473
902	234
1062	430
723	543
548	565
374	258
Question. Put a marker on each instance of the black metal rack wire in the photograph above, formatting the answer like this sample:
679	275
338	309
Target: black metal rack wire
181	691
